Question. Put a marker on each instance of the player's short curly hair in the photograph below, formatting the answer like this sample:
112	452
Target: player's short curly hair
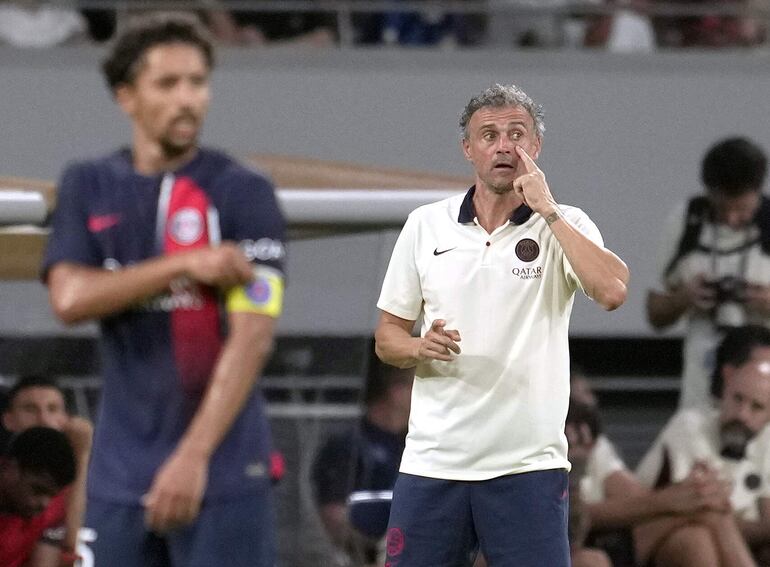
144	33
734	166
503	95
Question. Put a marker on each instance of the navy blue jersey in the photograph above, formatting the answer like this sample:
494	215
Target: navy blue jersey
158	356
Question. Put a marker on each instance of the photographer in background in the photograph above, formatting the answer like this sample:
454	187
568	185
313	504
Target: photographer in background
715	264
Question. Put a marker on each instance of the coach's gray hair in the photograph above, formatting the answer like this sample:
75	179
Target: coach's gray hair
498	96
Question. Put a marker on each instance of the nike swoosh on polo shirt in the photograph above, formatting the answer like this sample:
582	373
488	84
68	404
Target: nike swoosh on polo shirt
438	252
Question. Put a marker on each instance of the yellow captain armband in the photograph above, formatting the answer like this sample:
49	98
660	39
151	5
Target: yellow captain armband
263	295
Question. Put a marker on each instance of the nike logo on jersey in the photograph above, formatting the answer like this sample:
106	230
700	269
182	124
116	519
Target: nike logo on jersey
98	223
437	252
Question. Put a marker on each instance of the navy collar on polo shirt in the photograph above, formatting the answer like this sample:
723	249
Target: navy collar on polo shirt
468	211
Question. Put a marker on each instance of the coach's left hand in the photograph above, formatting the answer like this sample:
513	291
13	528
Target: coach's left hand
174	499
532	186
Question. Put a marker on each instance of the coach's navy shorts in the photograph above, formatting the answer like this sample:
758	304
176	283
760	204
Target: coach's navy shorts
517	520
235	532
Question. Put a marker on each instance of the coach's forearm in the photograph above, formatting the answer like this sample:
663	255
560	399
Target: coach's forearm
604	276
394	343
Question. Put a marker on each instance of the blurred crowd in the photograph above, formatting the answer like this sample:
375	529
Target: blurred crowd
615	25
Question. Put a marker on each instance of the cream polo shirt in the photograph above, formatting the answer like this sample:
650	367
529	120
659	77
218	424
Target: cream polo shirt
499	407
693	435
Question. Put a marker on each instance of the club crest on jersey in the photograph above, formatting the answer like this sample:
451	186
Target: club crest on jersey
186	226
527	250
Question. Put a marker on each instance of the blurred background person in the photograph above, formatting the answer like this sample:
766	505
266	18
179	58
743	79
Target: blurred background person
365	458
634	524
627	29
38	401
40	24
723	453
709	30
36	466
256	27
715	260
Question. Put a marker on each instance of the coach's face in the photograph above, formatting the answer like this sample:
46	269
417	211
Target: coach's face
493	134
168	98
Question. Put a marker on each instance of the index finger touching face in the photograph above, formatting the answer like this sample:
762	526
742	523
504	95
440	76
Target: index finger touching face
529	164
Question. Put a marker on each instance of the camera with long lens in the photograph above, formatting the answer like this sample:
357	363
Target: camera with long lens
730	297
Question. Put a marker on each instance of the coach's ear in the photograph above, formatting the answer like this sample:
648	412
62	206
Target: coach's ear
466	146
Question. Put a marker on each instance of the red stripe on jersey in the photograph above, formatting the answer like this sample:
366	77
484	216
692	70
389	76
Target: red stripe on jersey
195	329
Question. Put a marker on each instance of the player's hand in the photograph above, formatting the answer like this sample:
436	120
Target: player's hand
80	433
438	343
222	266
532	187
175	497
758	298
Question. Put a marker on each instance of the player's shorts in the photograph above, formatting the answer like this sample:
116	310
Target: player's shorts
237	532
516	520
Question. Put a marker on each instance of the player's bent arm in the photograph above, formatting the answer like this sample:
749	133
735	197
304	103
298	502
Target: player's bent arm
394	343
78	293
664	308
604	276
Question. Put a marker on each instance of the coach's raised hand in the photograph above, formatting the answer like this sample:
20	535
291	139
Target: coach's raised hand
532	186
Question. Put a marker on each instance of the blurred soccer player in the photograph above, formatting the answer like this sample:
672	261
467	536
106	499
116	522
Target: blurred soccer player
178	251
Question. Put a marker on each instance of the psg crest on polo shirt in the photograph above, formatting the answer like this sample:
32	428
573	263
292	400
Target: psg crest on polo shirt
527	250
